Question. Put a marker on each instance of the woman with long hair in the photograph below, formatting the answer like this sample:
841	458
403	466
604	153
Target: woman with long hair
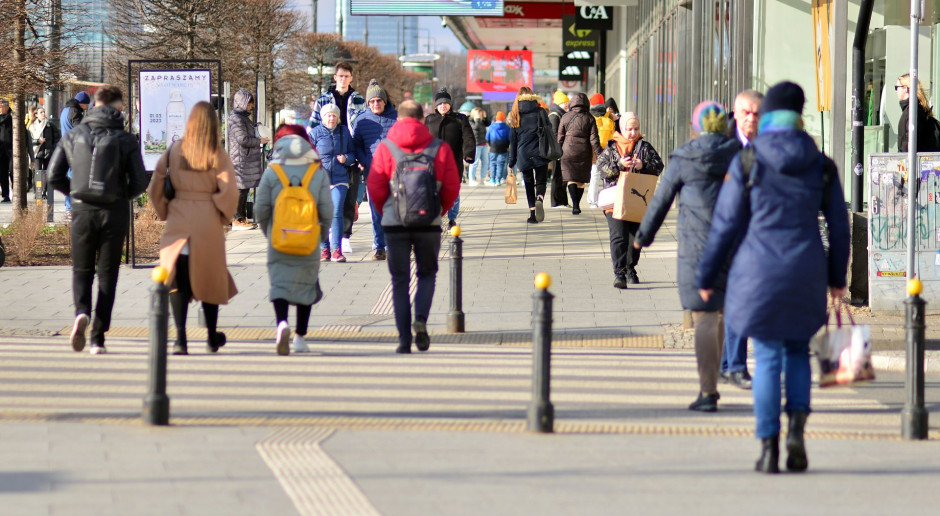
192	247
926	139
294	278
579	141
43	137
524	157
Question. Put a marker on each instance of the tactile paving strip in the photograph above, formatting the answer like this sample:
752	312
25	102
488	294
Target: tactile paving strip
441	425
351	333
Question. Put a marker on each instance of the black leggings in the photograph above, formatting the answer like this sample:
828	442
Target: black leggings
303	314
180	298
535	180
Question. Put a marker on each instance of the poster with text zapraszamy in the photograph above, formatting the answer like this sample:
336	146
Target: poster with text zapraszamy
166	98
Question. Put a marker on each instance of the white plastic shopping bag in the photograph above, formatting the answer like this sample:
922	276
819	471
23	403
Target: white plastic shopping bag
844	353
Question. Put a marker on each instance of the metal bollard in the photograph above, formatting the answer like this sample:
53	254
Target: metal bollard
914	416
156	403
38	181
541	414
50	197
455	319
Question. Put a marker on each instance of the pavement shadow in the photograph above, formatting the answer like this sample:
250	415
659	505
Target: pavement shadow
27	481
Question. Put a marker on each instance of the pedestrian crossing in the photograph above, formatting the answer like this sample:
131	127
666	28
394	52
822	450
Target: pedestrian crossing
42	377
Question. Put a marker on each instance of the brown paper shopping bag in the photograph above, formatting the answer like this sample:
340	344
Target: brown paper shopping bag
634	195
512	195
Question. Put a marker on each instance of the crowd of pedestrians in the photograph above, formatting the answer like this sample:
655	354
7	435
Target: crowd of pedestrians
748	187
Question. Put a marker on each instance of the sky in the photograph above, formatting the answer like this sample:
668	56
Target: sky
442	37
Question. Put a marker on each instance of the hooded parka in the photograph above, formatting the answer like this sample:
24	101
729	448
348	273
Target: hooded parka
779	274
524	140
577	135
205	201
292	277
695	173
244	147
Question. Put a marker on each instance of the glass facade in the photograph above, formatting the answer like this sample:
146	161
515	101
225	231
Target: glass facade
91	42
396	35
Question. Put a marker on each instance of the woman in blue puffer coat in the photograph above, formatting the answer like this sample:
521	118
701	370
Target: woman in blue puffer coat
333	143
695	173
780	273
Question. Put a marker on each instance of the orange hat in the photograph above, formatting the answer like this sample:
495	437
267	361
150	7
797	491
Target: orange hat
500	116
597	100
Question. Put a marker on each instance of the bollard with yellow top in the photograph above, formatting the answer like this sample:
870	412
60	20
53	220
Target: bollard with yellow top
156	410
455	318
541	413
914	415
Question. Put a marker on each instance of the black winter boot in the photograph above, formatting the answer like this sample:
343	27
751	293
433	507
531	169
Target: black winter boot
796	450
769	455
574	193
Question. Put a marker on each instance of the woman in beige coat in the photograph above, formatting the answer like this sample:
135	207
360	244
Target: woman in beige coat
192	248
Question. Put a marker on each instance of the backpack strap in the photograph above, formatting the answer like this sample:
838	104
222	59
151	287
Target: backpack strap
431	150
285	182
311	170
397	153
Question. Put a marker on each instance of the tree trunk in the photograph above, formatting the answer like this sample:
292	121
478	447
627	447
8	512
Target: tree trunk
20	156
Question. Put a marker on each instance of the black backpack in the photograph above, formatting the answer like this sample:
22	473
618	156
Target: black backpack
102	180
415	196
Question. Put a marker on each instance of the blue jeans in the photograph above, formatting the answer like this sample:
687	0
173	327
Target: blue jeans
452	212
479	165
378	234
338	195
498	166
773	357
734	357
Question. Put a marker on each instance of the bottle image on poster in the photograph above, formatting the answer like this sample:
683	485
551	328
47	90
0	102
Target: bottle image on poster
175	117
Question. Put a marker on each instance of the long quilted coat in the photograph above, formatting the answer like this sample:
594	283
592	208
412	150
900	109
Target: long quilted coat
243	146
577	134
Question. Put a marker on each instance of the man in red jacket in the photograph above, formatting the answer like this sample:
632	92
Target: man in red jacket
411	136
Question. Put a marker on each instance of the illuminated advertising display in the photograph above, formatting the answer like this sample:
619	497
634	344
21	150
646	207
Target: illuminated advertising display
498	70
428	7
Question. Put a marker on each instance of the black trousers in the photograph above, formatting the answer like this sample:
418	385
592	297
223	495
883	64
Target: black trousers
622	253
303	314
535	181
6	172
349	204
241	212
426	246
559	188
180	298
97	242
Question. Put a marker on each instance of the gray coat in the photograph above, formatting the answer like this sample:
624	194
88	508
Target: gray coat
293	278
244	146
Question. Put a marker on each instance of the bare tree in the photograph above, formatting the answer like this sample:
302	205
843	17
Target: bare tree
27	66
370	64
451	72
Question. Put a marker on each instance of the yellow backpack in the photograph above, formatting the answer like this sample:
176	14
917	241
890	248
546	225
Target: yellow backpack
605	129
296	226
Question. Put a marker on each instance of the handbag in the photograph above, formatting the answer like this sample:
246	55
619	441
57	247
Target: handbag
844	354
512	195
548	143
608	196
168	191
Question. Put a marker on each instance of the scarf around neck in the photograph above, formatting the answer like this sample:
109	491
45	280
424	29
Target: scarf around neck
780	120
624	145
36	127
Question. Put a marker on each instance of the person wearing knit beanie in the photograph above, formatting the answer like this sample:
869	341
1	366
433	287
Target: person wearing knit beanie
783	96
442	97
375	91
560	99
328	108
500	116
605	131
709	117
597	100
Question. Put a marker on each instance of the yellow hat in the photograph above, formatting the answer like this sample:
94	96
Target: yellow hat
559	98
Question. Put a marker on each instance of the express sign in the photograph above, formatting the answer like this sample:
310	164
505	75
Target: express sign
595	17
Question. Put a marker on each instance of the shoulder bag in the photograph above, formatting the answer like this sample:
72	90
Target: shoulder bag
548	142
168	191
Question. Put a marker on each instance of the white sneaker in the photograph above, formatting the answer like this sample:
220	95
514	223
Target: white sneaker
472	183
299	345
283	338
97	350
78	332
346	246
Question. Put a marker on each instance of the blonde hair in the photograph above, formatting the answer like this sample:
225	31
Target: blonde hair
514	117
201	141
922	99
477	113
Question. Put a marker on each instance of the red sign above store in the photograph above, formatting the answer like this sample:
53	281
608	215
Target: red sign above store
538	10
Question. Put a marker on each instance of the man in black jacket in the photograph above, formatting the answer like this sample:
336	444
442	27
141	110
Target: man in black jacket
454	128
6	150
98	229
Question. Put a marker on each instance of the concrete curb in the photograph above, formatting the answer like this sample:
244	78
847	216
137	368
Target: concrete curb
896	361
